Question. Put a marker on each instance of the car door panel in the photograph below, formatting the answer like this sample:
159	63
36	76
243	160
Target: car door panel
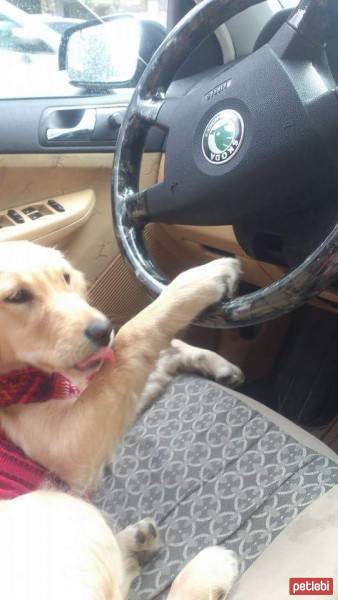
24	124
49	221
81	183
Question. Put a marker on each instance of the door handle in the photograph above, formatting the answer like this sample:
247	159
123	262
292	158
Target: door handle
81	131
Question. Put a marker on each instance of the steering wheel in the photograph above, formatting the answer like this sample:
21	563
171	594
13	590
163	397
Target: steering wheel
240	139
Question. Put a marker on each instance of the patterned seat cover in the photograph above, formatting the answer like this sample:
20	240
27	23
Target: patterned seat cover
209	470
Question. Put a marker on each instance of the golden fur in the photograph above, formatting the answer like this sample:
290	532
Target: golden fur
67	551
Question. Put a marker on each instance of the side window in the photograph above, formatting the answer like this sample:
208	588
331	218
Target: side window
16	36
31	32
6	33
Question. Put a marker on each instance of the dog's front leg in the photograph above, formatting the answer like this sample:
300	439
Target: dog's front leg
180	356
75	439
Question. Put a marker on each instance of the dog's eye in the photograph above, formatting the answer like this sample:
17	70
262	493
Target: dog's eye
66	277
19	297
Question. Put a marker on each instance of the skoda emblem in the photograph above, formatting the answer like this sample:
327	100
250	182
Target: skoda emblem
223	136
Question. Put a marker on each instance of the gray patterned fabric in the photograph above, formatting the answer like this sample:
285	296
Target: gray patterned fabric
209	470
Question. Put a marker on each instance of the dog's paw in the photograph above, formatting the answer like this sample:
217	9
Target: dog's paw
208	363
222	274
212	281
141	540
221	370
147	536
229	375
208	576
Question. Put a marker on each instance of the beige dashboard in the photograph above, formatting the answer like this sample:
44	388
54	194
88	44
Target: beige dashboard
206	242
202	243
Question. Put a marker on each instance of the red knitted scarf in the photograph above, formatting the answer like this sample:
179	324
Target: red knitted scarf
18	473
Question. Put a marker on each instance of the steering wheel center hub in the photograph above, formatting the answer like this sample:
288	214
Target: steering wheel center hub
223	136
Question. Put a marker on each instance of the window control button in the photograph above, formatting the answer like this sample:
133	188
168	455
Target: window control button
15	216
56	205
35	215
28	209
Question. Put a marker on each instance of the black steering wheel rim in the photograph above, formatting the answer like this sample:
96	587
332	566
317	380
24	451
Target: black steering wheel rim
130	211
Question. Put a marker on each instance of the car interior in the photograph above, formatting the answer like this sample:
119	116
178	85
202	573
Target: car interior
132	206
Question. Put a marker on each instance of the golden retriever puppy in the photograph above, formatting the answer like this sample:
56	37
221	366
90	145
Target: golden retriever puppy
54	544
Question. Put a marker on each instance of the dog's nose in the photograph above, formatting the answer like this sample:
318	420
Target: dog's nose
98	331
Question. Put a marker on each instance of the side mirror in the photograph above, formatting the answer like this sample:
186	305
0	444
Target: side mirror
101	55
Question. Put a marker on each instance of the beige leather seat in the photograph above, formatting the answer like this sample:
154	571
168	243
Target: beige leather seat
212	466
308	546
